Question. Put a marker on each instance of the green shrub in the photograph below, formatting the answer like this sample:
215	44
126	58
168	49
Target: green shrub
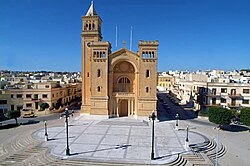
245	116
43	106
235	113
219	115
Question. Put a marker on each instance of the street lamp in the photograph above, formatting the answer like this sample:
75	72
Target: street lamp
176	124
217	147
153	116
66	114
45	131
187	140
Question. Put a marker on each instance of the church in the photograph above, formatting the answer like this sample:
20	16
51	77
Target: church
118	84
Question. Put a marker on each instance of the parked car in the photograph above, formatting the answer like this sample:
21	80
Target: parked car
29	115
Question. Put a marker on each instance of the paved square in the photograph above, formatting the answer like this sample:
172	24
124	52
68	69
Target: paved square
118	140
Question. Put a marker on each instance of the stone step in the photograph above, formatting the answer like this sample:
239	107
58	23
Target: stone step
221	152
180	161
16	158
206	161
35	150
193	157
210	147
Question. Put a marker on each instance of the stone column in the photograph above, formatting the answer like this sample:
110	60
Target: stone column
129	108
133	110
117	107
113	108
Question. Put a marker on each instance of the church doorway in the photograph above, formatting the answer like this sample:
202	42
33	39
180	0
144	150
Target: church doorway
123	110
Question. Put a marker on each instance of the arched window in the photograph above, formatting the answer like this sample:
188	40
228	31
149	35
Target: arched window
153	54
98	89
103	55
143	54
98	73
124	84
93	26
147	89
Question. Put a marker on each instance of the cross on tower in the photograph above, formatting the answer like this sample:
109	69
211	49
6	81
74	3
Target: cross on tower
124	44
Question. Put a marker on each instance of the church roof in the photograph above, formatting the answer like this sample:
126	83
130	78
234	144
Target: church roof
91	11
121	51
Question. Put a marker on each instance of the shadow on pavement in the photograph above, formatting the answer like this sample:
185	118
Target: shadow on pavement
169	155
53	139
30	122
234	128
168	107
115	147
8	126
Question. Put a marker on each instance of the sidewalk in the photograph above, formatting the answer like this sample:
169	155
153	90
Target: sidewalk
117	140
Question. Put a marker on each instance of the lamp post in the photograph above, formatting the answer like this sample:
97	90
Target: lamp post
67	131
217	147
187	140
66	114
45	131
153	116
176	124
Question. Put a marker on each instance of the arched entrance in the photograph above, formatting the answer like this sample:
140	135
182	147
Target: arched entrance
123	109
123	79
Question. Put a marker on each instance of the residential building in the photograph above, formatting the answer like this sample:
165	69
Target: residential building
28	97
165	82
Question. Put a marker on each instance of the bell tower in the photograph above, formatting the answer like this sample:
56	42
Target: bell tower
91	25
91	32
95	54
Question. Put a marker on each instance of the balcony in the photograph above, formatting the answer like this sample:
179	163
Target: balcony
36	99
213	95
123	94
234	95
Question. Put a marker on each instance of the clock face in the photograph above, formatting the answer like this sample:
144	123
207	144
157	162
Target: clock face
89	44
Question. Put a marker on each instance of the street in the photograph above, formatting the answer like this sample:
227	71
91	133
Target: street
236	141
167	109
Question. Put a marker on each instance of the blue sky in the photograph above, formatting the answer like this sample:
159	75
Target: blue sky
193	34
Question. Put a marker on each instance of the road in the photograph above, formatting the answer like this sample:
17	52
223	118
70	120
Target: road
167	109
236	140
37	119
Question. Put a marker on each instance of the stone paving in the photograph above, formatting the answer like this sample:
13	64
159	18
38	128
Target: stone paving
117	140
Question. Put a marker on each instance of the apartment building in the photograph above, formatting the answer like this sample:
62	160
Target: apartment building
29	96
231	95
215	88
165	82
4	106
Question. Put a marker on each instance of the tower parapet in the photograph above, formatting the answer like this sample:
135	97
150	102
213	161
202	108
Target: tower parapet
148	49
148	43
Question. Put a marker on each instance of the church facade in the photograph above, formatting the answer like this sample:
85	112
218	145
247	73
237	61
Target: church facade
122	83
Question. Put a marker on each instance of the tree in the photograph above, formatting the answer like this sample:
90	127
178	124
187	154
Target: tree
219	115
44	106
14	114
245	116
